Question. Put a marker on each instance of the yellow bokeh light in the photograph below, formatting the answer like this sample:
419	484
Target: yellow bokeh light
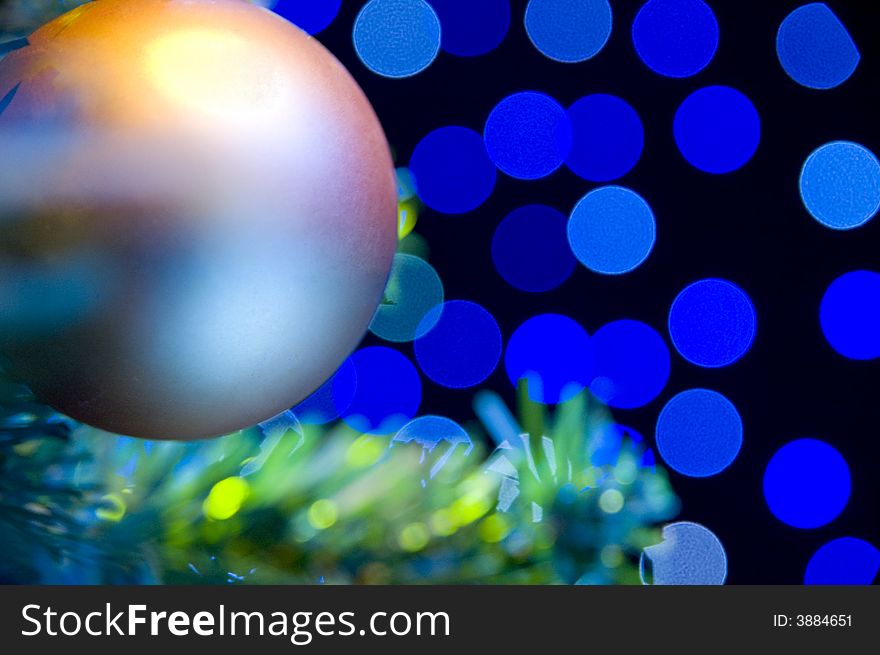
469	508
493	528
323	514
226	498
443	523
407	217
364	451
414	537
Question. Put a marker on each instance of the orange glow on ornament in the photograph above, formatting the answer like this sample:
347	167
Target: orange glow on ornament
200	203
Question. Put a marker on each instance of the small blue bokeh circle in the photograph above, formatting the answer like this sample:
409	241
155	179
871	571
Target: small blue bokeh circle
569	31
717	129
397	38
712	323
632	364
528	135
462	348
850	315
530	249
470	29
607	138
843	561
313	16
389	391
553	354
612	230
675	38
815	49
452	170
840	185
699	433
807	483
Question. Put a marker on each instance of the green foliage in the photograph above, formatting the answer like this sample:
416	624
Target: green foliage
287	503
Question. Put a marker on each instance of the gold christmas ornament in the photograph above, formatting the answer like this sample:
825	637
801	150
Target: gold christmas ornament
197	215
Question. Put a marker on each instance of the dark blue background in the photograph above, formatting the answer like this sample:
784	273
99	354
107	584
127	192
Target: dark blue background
749	227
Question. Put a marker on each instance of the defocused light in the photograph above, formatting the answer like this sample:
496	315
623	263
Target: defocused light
528	135
323	514
699	433
226	498
632	364
850	315
612	230
414	537
493	528
397	38
611	501
463	347
569	30
365	451
712	323
807	483
607	138
413	290
452	171
689	554
840	185
471	28
331	399
388	394
553	354
815	48
530	249
844	561
407	217
676	38
717	129
310	16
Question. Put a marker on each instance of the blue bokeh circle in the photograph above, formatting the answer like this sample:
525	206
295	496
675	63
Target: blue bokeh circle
528	135
712	323
717	129
632	364
389	391
397	38
470	29
530	249
452	170
675	38
462	348
699	433
553	355
807	483
607	138
850	315
840	185
612	230
569	31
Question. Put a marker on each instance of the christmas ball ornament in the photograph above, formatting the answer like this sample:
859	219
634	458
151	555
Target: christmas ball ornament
197	215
